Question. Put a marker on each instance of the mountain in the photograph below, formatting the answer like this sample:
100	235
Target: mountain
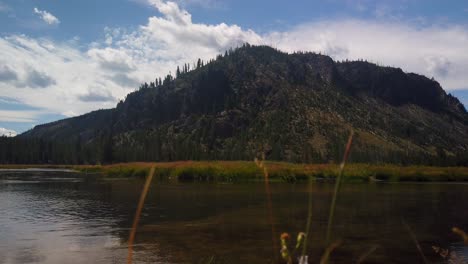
296	107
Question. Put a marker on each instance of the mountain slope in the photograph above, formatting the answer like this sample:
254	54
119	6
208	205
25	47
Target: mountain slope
296	107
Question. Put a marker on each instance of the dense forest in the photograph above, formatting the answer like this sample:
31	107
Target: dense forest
296	107
38	151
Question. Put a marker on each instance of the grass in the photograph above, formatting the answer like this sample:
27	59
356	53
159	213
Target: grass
235	171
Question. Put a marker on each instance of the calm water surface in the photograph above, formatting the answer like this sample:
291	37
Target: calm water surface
58	217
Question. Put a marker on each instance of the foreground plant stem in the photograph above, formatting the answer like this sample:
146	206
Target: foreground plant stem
261	165
337	187
415	240
309	219
131	239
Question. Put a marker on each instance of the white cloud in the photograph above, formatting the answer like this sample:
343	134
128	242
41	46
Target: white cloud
74	81
47	17
439	66
60	70
174	39
113	60
207	4
19	116
437	51
7	132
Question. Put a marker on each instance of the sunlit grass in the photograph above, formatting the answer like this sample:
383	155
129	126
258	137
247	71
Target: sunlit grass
230	171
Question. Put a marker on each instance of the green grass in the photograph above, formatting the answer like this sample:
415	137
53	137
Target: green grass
232	171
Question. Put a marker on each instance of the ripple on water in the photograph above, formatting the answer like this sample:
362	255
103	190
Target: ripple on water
88	222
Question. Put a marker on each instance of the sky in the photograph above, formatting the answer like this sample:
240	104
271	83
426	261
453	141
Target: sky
60	59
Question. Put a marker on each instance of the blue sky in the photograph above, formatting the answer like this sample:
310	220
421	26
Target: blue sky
64	58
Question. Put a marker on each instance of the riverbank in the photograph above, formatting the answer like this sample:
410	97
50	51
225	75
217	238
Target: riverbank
229	171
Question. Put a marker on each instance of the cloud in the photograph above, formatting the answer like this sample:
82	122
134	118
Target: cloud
8	103
107	71
7	74
439	66
32	78
113	60
123	80
436	51
207	4
8	100
174	39
47	17
60	69
37	79
97	96
19	116
7	132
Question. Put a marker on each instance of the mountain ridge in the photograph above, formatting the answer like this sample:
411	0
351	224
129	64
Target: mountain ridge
294	107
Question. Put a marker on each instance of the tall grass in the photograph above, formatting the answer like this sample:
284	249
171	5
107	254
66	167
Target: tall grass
263	168
337	187
415	241
232	171
141	202
238	171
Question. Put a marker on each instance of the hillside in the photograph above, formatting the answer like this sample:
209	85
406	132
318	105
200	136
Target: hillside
294	107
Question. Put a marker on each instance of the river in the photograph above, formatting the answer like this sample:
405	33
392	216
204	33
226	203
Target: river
62	217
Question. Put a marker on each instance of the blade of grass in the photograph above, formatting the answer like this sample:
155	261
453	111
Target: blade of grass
270	211
137	215
367	254
309	218
328	251
462	234
337	187
261	164
415	240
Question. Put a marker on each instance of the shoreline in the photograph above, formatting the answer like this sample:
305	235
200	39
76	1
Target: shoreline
232	171
34	169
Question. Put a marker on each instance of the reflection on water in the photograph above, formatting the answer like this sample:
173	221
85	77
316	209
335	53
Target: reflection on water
62	218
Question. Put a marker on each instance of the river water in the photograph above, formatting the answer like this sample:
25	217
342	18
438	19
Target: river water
61	217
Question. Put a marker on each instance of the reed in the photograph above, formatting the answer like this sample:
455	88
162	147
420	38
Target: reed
415	240
337	187
261	165
136	219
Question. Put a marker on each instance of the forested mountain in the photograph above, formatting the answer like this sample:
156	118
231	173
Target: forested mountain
295	107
